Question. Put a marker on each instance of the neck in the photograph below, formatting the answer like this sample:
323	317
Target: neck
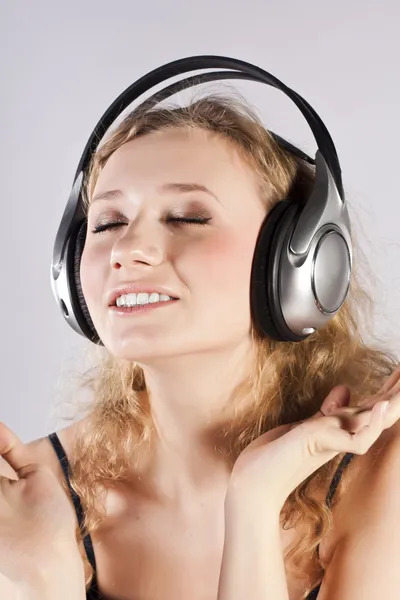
192	397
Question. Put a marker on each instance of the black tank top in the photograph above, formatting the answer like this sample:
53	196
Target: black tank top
93	592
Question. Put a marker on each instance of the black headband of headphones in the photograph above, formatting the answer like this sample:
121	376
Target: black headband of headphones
240	70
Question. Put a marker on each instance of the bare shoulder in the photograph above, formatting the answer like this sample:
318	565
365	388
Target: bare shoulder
371	485
364	562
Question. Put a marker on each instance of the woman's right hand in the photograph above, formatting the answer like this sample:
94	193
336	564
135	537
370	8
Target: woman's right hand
39	554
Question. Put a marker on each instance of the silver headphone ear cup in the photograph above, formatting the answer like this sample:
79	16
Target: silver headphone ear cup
264	289
86	322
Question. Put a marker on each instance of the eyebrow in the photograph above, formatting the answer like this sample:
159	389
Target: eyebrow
110	195
166	187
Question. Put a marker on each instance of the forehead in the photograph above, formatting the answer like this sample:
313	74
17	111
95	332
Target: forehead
178	155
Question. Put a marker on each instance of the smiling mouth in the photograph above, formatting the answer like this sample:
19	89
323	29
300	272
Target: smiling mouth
140	308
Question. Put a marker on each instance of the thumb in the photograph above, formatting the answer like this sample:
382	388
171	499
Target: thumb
338	397
12	450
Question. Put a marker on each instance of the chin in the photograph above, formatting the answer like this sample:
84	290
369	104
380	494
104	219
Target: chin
152	350
138	349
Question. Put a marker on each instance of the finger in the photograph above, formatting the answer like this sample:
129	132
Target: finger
336	439
12	449
337	398
353	419
393	381
6	470
361	441
388	391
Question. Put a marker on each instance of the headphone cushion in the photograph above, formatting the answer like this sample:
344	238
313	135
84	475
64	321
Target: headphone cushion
265	298
78	250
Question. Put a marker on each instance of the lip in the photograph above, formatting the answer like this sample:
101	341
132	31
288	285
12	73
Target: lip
137	287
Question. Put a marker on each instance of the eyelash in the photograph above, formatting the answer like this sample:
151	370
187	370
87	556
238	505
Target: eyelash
114	224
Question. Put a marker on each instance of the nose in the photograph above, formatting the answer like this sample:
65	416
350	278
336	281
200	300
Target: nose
141	243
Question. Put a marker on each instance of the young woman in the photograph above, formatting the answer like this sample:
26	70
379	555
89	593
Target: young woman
208	465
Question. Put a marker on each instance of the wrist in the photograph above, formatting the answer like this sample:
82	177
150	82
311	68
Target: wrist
248	502
243	522
252	561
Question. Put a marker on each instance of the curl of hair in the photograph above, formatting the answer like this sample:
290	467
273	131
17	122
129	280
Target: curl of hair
289	380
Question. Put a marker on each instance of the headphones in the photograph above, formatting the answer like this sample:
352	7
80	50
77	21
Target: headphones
302	261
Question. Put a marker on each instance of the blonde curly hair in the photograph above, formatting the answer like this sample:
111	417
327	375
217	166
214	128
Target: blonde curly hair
289	381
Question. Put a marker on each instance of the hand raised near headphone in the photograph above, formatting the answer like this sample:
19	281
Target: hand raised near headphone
39	554
273	465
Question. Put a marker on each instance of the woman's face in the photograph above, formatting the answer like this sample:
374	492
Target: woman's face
207	266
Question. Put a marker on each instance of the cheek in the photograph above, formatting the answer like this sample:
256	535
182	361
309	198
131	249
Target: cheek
225	261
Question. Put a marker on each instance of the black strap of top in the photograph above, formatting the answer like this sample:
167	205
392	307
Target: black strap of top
62	457
346	460
79	511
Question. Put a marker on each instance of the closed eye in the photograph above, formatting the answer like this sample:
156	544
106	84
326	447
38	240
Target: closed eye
106	226
190	221
115	224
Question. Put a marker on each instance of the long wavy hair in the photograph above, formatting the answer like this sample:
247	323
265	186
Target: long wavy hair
288	382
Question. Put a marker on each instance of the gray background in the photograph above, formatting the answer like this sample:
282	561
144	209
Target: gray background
63	63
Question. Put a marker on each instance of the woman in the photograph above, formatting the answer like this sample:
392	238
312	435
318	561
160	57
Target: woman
209	462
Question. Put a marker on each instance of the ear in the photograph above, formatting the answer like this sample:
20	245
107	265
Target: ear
339	397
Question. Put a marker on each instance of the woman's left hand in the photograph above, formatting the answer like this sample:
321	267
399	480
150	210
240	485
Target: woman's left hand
274	464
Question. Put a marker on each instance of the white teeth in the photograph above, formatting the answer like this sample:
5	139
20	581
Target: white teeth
141	298
152	298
